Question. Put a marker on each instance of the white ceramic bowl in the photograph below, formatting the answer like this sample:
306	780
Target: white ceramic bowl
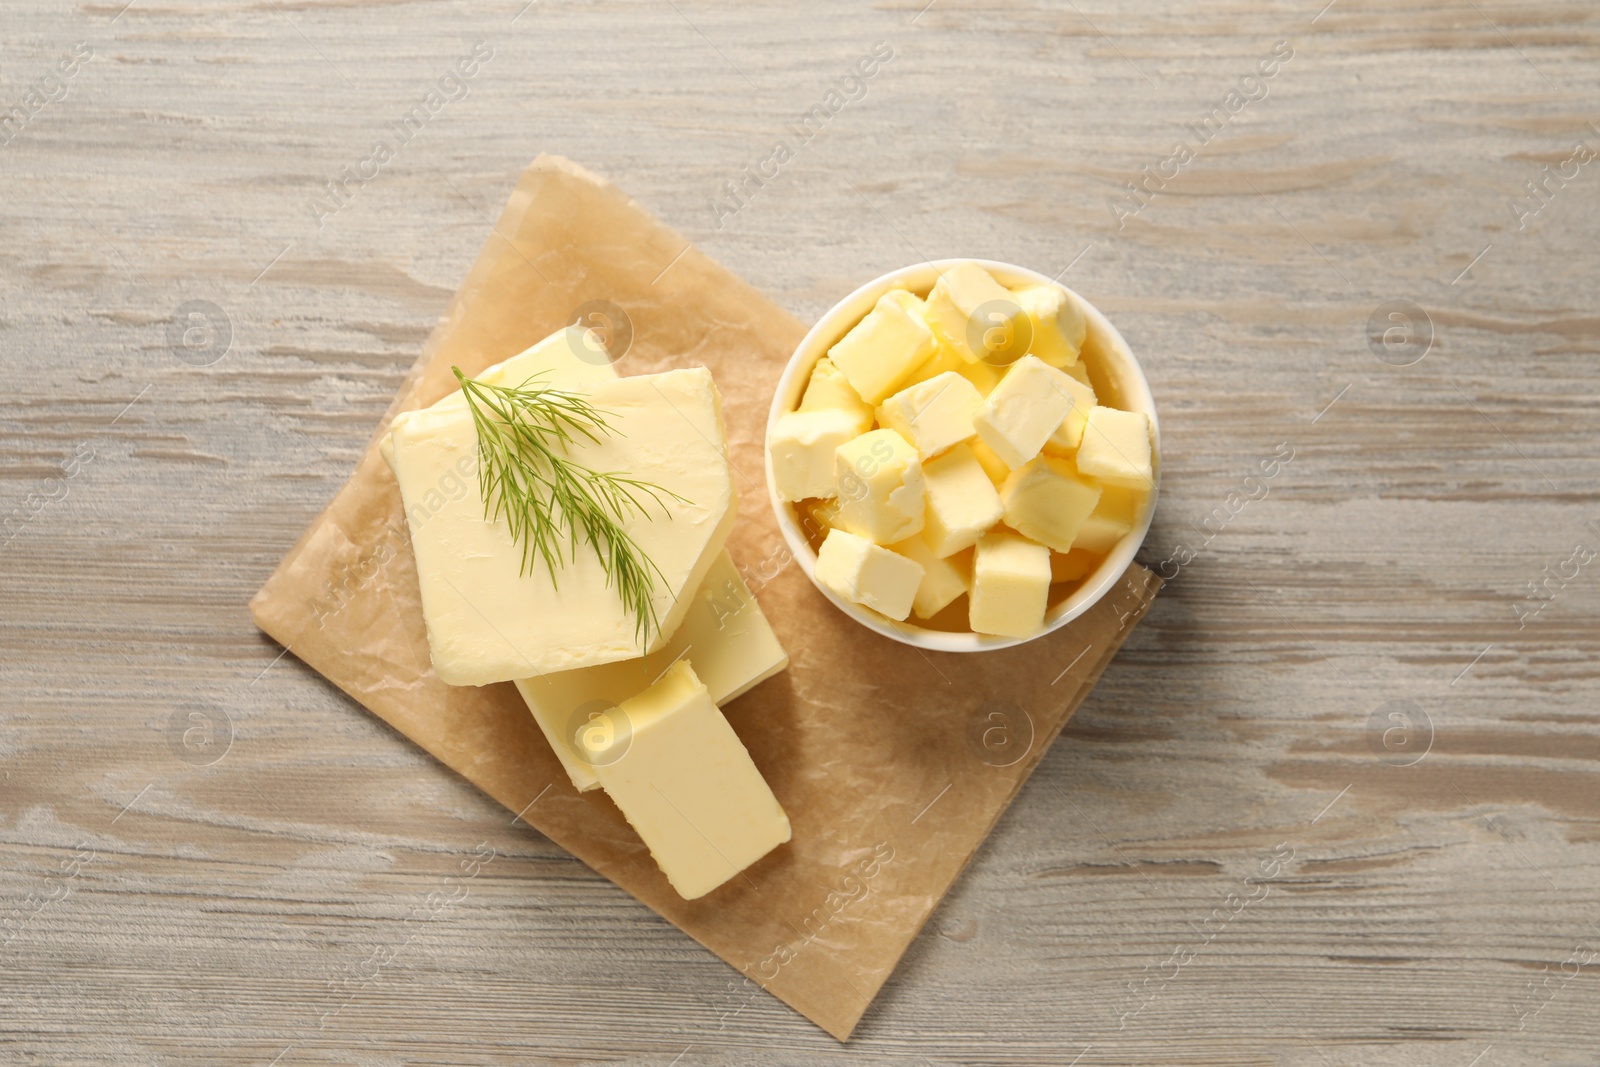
1117	379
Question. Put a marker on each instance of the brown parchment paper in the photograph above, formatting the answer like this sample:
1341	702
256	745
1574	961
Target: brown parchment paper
893	763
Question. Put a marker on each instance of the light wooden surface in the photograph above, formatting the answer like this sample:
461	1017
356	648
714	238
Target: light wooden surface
300	900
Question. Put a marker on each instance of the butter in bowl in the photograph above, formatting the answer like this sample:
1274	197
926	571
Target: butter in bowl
963	455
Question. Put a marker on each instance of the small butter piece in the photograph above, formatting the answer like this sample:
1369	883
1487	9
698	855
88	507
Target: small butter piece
1064	439
1018	417
977	316
687	785
884	348
1080	371
1112	519
1116	448
943	578
982	375
1059	324
880	487
962	501
868	574
1010	585
1048	501
932	415
802	446
1070	566
945	359
724	636
829	389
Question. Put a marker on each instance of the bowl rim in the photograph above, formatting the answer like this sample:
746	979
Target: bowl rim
831	326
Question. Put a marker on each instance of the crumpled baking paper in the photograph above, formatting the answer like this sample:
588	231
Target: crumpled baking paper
893	763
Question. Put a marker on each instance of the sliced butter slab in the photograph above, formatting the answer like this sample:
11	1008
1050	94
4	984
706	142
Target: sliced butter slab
687	785
489	622
724	636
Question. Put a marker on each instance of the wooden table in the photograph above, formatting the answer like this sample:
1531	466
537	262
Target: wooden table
1337	802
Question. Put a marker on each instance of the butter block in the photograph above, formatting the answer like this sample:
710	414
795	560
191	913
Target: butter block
977	316
1048	501
868	574
884	348
880	487
945	359
687	785
1018	417
1113	518
962	501
489	622
932	415
828	388
1010	585
1116	448
802	446
724	636
943	577
1071	566
1059	324
1065	438
992	464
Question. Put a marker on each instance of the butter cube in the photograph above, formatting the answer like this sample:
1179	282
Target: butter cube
1116	448
1018	417
1071	566
884	348
1112	520
943	578
982	375
801	447
977	316
962	501
829	389
868	574
880	487
724	636
932	415
1064	439
945	359
992	464
1059	324
1010	585
490	620
1048	501
687	785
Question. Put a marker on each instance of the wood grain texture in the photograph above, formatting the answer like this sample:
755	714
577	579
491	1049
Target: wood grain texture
276	903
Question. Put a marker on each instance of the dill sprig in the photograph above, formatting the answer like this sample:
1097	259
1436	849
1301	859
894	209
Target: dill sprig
549	500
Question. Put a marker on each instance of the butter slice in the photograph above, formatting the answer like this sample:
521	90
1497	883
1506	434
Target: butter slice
489	622
962	501
724	636
1059	324
1116	448
687	785
828	389
868	574
1010	585
1018	417
1048	501
943	578
977	316
933	415
802	446
881	350
880	487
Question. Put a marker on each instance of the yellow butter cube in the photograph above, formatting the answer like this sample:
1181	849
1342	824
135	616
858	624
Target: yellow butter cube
932	415
1059	324
1116	448
828	388
1064	439
884	348
801	447
879	482
977	316
1070	566
962	501
687	785
1010	585
943	577
1028	405
1048	501
982	375
868	574
1113	518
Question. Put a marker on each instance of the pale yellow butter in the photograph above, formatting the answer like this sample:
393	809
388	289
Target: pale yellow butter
884	348
1065	438
1116	448
687	785
1010	585
802	446
962	501
1048	501
1018	417
932	415
1059	324
1113	518
880	487
868	574
944	578
829	389
977	316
